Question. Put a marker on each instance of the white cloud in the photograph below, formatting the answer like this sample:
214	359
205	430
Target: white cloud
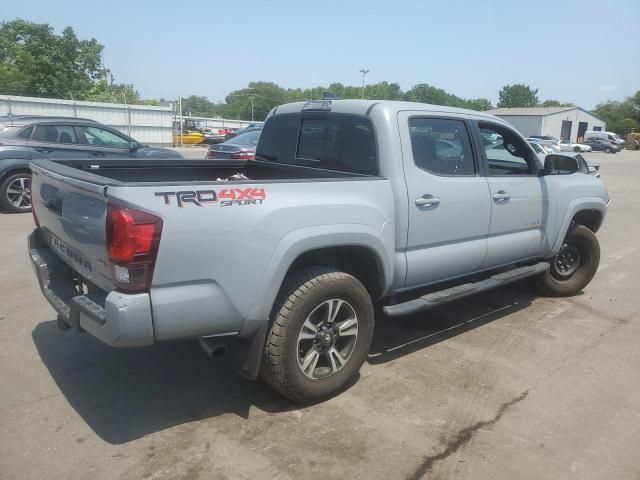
607	88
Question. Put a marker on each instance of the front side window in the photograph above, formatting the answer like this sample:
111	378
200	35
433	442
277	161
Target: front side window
441	146
55	134
25	132
99	137
508	154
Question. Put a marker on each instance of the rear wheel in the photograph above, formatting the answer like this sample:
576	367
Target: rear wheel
576	149
320	335
573	267
608	150
15	193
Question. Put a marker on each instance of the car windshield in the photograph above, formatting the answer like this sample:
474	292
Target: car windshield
249	138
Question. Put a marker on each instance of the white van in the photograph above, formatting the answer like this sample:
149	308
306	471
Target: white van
607	136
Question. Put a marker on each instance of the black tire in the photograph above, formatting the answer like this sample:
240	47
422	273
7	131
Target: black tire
556	283
302	294
15	202
608	150
576	149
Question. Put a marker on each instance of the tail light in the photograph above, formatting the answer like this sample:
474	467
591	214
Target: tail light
133	239
244	155
210	154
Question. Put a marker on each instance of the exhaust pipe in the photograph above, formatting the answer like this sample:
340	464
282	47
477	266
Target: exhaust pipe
214	350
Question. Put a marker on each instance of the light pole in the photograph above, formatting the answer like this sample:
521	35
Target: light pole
363	72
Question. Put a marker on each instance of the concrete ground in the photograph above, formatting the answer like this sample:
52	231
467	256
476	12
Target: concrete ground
505	385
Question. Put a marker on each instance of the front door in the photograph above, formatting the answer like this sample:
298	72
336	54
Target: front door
520	209
103	142
448	201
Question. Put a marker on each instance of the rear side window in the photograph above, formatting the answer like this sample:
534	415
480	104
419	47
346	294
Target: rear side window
55	134
441	146
331	141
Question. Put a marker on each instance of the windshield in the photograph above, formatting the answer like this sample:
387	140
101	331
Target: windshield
249	138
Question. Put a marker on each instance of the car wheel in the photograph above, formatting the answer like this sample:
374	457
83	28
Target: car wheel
608	150
321	331
573	267
15	193
576	149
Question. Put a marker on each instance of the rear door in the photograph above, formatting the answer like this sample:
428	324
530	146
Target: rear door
53	141
520	209
449	206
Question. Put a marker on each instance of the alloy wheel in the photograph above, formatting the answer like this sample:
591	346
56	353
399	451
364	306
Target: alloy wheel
327	338
19	192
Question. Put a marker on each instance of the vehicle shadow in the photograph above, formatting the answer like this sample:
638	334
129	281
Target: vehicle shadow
125	394
396	337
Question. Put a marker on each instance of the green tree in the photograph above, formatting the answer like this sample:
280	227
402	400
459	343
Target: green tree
114	93
36	61
621	117
556	103
480	104
255	101
198	106
517	95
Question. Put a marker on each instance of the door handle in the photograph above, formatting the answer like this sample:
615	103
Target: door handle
97	154
43	150
501	196
427	201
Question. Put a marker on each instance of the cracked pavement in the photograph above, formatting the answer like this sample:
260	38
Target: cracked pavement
501	385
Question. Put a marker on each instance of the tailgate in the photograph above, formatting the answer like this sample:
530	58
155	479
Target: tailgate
72	216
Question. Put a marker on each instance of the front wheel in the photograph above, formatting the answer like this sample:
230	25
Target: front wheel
573	267
608	150
320	335
15	193
577	149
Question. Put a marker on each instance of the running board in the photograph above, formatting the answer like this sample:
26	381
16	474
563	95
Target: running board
460	291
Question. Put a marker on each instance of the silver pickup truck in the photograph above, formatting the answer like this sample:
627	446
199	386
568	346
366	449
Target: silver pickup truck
276	263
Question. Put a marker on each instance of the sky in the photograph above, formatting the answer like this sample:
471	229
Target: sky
582	51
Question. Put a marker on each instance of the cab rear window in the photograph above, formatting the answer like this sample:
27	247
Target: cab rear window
331	141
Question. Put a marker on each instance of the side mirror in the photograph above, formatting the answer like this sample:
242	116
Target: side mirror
133	146
560	165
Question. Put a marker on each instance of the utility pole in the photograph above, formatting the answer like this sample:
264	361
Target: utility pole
252	116
181	127
363	72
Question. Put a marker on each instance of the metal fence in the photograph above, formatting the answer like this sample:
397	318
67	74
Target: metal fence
147	124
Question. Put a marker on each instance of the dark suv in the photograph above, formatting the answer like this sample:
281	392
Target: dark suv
25	138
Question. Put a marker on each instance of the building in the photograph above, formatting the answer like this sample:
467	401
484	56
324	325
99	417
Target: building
564	123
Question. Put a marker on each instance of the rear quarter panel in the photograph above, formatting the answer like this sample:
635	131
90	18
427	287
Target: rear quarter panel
220	264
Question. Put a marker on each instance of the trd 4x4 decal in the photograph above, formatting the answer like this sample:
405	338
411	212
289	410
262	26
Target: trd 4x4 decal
225	198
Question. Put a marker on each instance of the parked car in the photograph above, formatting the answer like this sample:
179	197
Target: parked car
546	137
25	137
213	135
346	205
254	127
242	147
540	150
569	146
598	145
606	136
551	145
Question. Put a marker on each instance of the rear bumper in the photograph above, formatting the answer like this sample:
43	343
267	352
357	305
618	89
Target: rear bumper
117	319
